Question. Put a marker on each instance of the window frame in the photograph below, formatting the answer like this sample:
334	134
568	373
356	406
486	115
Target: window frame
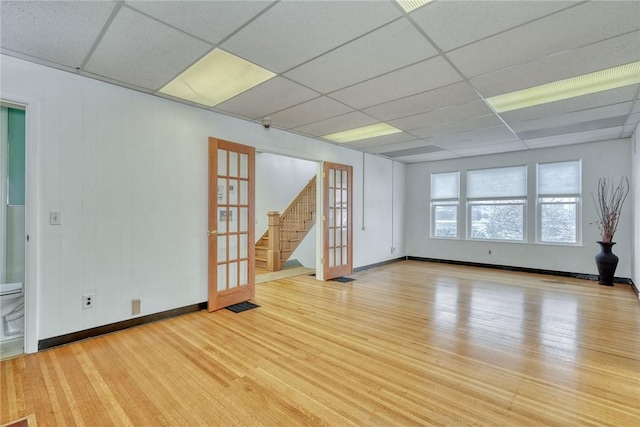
517	199
444	201
540	203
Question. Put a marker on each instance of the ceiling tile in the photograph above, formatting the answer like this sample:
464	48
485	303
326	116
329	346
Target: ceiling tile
405	145
575	27
441	116
301	30
420	77
457	93
604	123
143	52
269	97
430	148
65	31
575	138
451	24
480	150
459	126
308	112
585	102
209	20
429	157
595	57
347	121
385	140
475	137
583	116
393	46
633	119
631	125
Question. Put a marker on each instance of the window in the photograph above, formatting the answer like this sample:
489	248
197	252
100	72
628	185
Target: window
559	196
496	200
445	189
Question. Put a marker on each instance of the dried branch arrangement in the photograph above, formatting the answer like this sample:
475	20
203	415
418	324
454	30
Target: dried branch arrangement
609	202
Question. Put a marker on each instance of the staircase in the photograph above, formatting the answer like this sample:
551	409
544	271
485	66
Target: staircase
287	229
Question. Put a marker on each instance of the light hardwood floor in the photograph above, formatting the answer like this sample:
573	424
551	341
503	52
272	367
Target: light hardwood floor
410	343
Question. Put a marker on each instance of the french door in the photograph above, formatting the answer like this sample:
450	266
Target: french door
338	220
231	223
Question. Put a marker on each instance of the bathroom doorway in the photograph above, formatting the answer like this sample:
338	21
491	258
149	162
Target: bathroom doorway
12	229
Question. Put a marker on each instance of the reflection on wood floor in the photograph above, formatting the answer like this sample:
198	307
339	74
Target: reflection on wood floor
410	343
283	274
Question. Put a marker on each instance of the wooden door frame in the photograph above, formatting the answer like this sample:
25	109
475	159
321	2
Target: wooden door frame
240	293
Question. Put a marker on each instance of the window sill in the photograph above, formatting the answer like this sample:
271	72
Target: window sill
512	242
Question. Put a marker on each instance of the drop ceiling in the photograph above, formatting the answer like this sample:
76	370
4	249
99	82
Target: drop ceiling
346	64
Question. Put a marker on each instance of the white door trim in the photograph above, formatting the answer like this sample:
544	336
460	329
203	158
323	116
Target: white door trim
32	224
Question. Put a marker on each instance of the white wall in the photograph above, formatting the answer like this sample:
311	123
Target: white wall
610	158
635	202
128	171
278	180
382	219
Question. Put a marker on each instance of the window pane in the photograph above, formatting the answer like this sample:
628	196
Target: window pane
446	221
233	275
499	182
222	248
497	221
244	273
558	223
559	178
222	191
445	185
222	277
244	245
233	164
244	166
222	162
233	191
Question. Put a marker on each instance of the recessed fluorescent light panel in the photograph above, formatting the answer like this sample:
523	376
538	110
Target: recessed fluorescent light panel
215	78
611	78
365	132
409	5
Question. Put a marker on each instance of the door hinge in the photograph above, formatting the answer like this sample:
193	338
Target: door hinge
322	218
324	175
322	261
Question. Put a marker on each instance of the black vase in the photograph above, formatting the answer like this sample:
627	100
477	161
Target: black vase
607	263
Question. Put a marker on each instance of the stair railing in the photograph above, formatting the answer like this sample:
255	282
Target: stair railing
285	229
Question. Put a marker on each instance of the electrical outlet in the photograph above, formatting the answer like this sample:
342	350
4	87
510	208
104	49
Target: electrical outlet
489	251
88	300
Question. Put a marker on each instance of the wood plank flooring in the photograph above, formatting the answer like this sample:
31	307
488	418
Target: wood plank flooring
410	343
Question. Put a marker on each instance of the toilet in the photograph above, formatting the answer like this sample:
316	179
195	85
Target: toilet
11	310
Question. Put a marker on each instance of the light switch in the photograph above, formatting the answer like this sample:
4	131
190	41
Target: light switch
55	218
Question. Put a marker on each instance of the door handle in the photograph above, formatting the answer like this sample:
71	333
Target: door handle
212	232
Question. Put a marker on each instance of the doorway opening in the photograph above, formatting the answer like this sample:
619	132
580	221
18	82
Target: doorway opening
279	179
12	229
